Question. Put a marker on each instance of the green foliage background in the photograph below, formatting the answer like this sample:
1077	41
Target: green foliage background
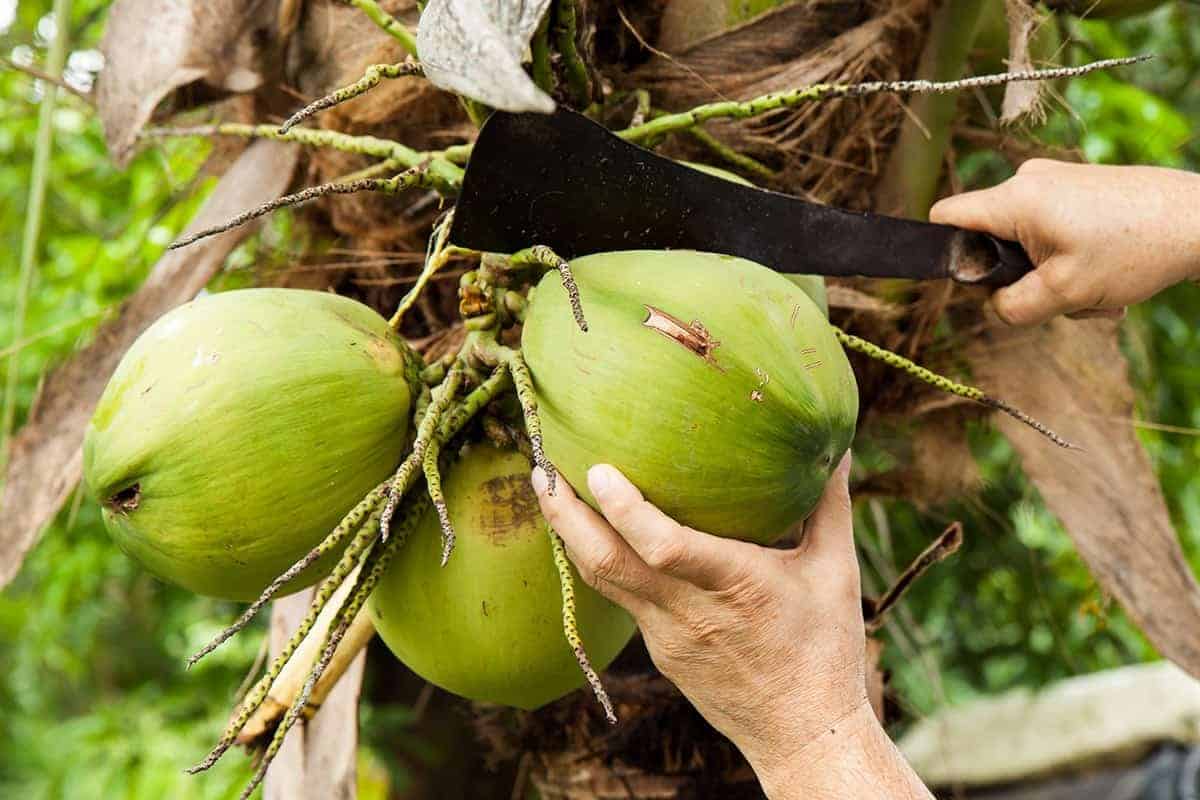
94	700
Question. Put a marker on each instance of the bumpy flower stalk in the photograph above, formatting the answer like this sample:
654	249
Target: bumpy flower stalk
730	109
374	565
353	521
350	559
433	482
943	383
371	78
566	580
523	382
541	256
291	680
444	176
443	397
370	548
408	179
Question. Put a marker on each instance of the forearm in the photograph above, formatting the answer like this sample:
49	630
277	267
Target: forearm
853	759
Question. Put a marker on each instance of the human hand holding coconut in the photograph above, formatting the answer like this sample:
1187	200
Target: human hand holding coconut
1102	237
769	645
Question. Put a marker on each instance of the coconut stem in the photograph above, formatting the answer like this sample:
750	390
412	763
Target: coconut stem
821	91
438	255
350	559
444	176
416	176
943	383
540	68
574	67
542	256
388	24
566	580
728	154
461	413
370	79
374	565
351	522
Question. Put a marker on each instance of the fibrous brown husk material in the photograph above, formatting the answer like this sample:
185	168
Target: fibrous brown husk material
829	151
378	240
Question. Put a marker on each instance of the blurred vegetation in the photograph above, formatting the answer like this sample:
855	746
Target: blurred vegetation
94	700
1017	606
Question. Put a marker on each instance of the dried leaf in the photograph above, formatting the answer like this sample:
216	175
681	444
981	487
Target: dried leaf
847	297
786	47
819	149
154	47
45	463
476	49
318	760
1072	375
685	22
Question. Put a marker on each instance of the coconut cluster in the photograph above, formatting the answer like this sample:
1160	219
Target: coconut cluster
258	441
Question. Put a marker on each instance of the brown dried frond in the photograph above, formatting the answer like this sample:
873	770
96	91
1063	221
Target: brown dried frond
828	151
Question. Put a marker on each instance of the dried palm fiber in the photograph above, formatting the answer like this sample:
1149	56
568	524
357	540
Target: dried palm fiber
379	240
829	151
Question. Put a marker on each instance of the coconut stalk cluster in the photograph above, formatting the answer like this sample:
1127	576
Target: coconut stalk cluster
259	441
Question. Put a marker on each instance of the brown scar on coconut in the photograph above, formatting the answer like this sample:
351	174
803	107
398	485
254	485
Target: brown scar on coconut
126	500
693	336
763	380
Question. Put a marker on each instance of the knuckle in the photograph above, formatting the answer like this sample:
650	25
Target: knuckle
606	566
667	555
1064	285
704	633
619	509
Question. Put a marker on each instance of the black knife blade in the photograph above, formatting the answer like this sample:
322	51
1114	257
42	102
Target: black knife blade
567	182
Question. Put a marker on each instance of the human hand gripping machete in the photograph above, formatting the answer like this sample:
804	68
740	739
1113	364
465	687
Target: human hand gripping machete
564	181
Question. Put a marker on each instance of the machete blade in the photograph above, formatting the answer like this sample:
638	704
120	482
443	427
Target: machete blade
564	181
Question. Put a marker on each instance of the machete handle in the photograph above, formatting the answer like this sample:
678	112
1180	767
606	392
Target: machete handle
985	260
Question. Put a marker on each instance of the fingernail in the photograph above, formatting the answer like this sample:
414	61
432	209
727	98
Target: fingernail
600	479
539	480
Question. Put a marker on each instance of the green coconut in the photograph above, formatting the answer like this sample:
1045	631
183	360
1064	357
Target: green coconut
813	285
240	428
716	385
488	625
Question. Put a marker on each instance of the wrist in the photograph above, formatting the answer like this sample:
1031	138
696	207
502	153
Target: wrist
786	758
851	758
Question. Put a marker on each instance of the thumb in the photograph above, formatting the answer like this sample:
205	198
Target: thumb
991	210
829	530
